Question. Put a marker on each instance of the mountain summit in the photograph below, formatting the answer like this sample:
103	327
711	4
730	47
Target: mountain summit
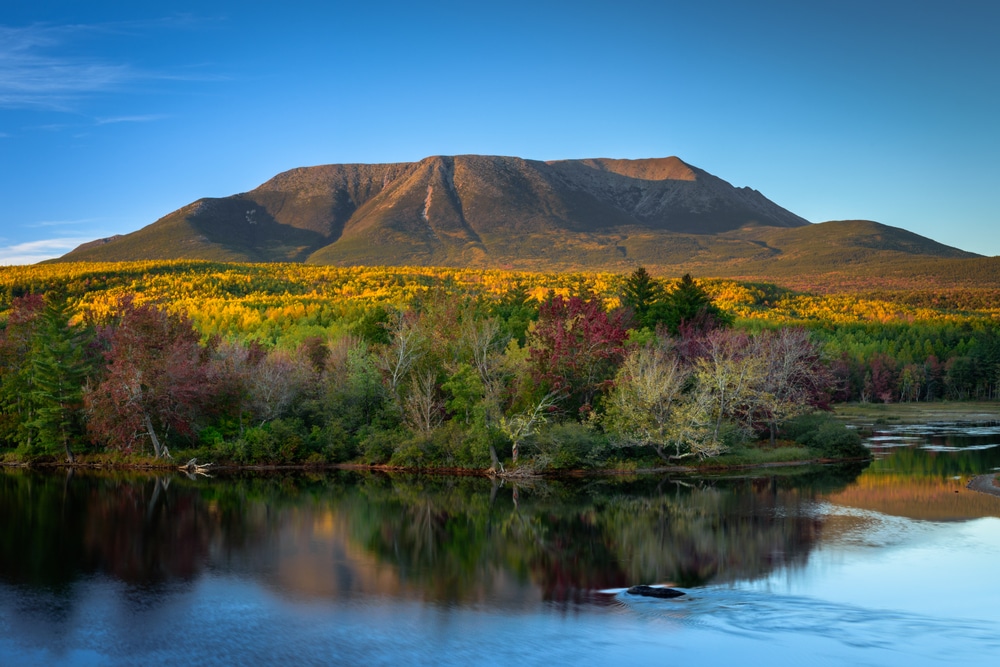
446	210
490	211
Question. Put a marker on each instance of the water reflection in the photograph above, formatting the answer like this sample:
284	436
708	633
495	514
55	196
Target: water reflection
921	472
450	540
351	568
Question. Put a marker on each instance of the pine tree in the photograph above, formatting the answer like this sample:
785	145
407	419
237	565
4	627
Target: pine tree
17	408
640	292
59	368
687	305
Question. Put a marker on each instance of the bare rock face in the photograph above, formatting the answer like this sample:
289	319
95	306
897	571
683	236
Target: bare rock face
447	210
482	211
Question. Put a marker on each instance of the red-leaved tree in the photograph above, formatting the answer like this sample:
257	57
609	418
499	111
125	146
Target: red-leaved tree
155	383
575	349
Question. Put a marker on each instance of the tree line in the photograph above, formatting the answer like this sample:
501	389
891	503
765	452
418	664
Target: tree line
463	377
471	382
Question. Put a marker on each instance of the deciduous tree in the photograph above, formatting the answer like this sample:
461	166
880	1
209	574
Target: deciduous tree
575	349
155	382
644	406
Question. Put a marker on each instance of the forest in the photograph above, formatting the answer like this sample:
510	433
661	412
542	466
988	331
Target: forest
451	368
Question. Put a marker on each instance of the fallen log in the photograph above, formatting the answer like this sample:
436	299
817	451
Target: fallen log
192	467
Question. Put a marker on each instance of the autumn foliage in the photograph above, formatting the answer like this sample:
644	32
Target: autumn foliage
455	367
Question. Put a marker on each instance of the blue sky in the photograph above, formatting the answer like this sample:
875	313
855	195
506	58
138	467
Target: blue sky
113	114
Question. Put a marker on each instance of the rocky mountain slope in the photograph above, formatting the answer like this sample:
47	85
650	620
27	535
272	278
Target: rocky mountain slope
490	211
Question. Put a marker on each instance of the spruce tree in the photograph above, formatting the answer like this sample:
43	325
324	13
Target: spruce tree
640	292
58	369
687	305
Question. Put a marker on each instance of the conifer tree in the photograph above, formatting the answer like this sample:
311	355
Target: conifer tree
59	368
640	292
687	305
17	407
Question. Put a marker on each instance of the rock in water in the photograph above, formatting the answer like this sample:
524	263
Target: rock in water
655	592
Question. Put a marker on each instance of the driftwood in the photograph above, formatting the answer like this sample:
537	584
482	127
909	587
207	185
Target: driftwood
521	472
655	592
193	468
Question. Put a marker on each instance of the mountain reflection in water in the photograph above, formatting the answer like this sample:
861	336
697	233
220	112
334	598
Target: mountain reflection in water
885	564
457	539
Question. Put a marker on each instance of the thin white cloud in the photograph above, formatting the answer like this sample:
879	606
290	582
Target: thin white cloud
35	71
147	118
32	74
37	251
61	223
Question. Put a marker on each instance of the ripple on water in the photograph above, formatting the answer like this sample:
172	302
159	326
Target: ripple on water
758	615
946	448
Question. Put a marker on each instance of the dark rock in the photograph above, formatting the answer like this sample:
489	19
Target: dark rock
655	592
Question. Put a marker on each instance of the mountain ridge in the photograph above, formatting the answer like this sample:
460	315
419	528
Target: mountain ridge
509	212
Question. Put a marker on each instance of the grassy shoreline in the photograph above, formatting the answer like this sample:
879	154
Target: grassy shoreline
918	413
786	454
754	459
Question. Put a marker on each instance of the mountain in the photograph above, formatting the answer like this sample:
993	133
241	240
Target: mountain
489	211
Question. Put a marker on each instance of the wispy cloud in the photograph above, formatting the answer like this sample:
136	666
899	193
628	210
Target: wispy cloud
34	74
36	70
61	223
148	118
37	251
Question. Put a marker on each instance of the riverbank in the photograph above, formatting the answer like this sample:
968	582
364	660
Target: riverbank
985	484
791	457
872	415
917	413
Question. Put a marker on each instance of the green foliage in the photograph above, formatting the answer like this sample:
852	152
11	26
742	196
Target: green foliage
464	389
824	433
44	366
568	446
687	304
732	436
639	293
517	310
307	351
377	446
373	326
277	442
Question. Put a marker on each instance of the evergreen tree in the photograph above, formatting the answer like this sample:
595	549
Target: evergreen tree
640	292
17	407
688	305
59	367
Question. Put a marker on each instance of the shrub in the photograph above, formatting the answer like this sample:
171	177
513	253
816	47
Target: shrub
416	453
377	445
280	441
568	445
824	433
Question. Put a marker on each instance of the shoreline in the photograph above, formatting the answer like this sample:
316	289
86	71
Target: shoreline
464	472
984	484
869	414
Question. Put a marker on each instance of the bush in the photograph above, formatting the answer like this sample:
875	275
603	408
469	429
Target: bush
732	436
824	433
332	443
377	446
280	441
416	453
568	445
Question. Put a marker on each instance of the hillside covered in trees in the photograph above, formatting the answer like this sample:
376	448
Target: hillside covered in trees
434	367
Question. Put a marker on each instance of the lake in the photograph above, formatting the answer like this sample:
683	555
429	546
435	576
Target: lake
895	563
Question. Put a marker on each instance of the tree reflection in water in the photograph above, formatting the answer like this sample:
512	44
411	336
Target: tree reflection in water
447	539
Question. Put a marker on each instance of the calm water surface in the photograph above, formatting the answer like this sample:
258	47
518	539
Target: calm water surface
896	563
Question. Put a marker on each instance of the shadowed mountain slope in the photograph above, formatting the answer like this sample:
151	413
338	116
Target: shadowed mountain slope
489	211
